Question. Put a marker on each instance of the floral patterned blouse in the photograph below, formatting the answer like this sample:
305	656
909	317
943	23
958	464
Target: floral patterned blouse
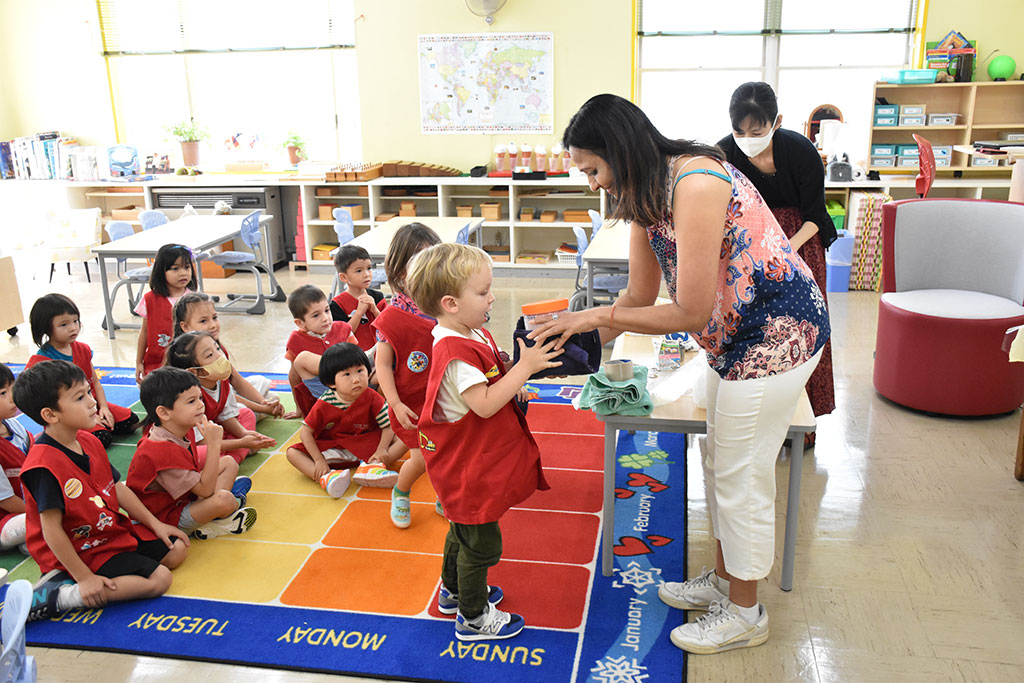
769	315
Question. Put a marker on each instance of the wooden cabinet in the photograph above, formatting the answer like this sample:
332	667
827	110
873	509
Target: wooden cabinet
986	109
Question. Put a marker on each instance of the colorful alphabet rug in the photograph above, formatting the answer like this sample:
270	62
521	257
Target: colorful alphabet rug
331	585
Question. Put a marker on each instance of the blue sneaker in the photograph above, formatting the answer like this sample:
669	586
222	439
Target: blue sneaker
493	624
448	602
240	489
45	592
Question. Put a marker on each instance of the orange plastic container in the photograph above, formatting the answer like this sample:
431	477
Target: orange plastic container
539	312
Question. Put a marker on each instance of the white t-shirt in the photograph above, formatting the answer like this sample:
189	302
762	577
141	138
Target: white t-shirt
458	376
230	406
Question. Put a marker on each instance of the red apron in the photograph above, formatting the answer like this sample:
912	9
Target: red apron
354	429
410	339
300	341
364	335
151	458
11	459
159	331
81	355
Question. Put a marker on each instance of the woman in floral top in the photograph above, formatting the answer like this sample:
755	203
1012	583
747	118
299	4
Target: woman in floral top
750	302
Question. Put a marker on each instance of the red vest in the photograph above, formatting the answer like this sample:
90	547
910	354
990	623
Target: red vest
92	520
354	428
300	341
12	459
410	339
214	408
479	467
159	330
81	355
364	335
151	458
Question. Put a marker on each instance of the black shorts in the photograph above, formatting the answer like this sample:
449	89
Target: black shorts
142	561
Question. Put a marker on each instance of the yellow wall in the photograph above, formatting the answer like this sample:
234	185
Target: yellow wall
592	44
993	23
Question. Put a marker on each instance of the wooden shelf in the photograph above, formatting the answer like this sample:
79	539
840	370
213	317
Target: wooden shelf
996	126
957	127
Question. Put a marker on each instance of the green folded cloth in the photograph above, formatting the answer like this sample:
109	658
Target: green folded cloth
608	397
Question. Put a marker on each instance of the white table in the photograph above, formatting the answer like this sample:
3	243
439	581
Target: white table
377	241
195	232
608	251
683	416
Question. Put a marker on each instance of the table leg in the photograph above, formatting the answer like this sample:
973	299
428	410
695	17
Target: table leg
1018	470
106	296
796	463
590	285
608	518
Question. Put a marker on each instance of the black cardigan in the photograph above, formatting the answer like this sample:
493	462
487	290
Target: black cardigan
799	180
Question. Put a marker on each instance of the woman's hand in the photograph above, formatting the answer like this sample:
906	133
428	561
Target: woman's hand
566	325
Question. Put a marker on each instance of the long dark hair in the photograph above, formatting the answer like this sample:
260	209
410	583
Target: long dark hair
166	257
409	240
619	132
756	100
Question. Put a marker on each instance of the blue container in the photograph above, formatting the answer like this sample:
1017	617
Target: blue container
840	252
837	278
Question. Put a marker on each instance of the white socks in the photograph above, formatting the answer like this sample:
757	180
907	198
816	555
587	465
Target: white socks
69	597
13	532
749	614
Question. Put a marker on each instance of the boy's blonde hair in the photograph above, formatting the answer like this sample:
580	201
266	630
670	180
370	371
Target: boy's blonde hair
440	271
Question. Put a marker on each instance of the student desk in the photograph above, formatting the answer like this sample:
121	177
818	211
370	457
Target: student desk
195	232
608	251
376	241
685	417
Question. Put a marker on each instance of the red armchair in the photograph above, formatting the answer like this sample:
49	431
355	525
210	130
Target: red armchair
952	282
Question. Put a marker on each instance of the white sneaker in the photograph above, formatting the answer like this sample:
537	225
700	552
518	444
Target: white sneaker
721	629
696	593
240	521
336	482
375	475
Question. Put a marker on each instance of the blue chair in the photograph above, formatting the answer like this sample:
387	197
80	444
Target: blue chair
126	278
15	664
151	218
254	262
606	287
345	230
462	237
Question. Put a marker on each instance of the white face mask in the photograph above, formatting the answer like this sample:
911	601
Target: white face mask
752	146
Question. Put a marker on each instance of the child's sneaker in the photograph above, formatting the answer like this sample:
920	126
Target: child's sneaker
493	624
336	482
375	475
721	629
699	592
438	508
237	523
448	602
240	489
401	516
45	592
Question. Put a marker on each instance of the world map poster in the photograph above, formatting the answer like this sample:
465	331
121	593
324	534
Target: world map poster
487	83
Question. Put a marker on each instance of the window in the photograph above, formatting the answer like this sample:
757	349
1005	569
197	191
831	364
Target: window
249	71
693	55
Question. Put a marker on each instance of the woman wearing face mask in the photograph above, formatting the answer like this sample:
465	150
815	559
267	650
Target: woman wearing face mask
752	304
786	169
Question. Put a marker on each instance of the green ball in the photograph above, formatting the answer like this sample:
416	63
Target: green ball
1002	67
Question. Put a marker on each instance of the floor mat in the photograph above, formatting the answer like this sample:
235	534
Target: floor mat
331	585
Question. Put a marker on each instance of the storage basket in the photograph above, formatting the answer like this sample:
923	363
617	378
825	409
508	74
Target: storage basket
566	258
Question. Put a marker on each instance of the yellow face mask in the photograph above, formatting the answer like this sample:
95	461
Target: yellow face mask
218	370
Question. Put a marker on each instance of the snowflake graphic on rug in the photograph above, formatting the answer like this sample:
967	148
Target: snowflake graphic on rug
619	670
636	576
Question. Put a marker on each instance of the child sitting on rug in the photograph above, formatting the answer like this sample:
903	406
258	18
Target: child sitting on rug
317	331
480	454
358	305
174	273
198	353
55	323
201	496
347	426
195	312
89	552
14	444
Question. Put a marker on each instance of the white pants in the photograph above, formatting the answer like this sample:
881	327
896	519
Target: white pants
747	424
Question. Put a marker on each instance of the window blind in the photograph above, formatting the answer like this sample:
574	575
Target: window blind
153	27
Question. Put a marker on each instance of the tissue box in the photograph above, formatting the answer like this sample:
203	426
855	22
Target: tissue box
886	110
914	120
887	160
883	150
912	109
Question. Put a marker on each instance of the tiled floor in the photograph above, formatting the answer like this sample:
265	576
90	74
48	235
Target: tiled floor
910	557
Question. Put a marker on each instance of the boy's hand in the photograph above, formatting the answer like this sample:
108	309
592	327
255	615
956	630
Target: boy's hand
138	373
539	356
381	456
256	441
106	417
167	534
210	432
404	415
523	394
320	468
94	590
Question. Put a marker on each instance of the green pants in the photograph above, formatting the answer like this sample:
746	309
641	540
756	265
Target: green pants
469	551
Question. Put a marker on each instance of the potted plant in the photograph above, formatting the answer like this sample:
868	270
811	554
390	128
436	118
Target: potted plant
189	134
296	147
